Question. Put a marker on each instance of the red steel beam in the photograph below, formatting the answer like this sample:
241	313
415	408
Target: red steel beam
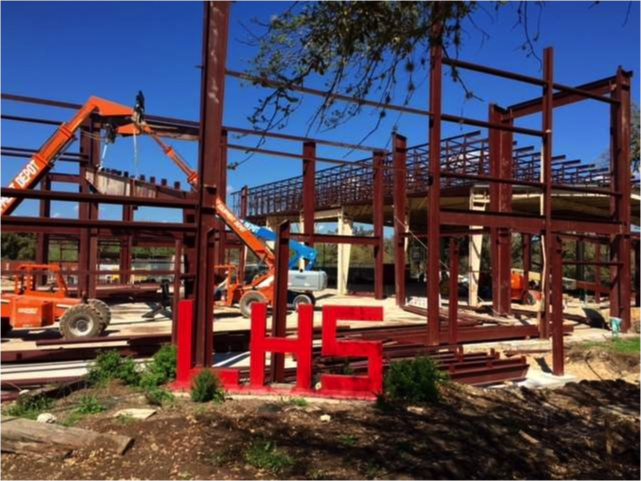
599	87
399	156
309	190
452	319
244	193
620	293
279	304
546	167
558	357
88	212
337	239
215	37
433	264
42	245
378	208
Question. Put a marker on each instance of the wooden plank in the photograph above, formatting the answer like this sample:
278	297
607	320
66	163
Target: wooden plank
24	430
32	448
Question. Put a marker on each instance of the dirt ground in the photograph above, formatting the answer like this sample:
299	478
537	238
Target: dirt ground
586	430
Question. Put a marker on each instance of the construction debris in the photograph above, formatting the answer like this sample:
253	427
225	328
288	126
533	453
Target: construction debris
30	432
141	414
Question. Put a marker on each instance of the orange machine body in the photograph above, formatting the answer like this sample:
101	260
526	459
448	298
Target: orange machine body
521	290
28	307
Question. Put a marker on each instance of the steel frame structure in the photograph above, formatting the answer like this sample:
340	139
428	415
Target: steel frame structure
432	171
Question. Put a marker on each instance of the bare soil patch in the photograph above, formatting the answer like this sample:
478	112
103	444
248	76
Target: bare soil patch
473	433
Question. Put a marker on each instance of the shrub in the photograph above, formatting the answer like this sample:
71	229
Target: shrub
263	454
128	372
89	405
29	407
157	396
414	381
161	369
110	365
207	387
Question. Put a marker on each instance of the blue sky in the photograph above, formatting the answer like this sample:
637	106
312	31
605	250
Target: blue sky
72	50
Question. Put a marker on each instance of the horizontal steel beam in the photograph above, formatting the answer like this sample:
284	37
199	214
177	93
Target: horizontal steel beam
335	239
30	222
97	198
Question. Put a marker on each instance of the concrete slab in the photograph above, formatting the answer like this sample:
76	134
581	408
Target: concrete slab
538	380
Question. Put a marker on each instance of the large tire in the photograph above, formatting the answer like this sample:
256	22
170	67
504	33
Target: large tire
81	320
103	309
301	299
6	326
247	300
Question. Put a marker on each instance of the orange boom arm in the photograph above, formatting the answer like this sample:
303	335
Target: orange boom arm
44	159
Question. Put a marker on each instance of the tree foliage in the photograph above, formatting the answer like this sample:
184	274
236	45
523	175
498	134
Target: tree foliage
360	49
18	246
635	153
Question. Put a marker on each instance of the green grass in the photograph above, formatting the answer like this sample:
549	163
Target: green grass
29	407
72	419
223	458
157	396
90	405
294	401
264	455
126	419
348	440
628	345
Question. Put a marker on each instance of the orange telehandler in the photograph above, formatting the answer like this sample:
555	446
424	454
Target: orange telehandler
28	306
261	288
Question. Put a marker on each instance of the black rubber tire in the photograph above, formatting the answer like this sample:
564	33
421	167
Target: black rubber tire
81	320
529	299
301	299
6	326
247	300
103	309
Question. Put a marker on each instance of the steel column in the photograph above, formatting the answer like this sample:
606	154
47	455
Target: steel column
242	254
309	190
221	192
637	274
126	246
597	273
88	211
378	207
527	257
433	263
546	169
216	27
453	301
505	206
580	267
558	358
42	246
501	249
279	304
176	300
399	155
620	296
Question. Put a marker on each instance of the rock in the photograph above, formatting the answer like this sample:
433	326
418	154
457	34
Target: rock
141	414
415	410
47	418
325	418
528	438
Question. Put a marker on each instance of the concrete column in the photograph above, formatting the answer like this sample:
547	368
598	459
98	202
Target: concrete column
345	227
478	201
